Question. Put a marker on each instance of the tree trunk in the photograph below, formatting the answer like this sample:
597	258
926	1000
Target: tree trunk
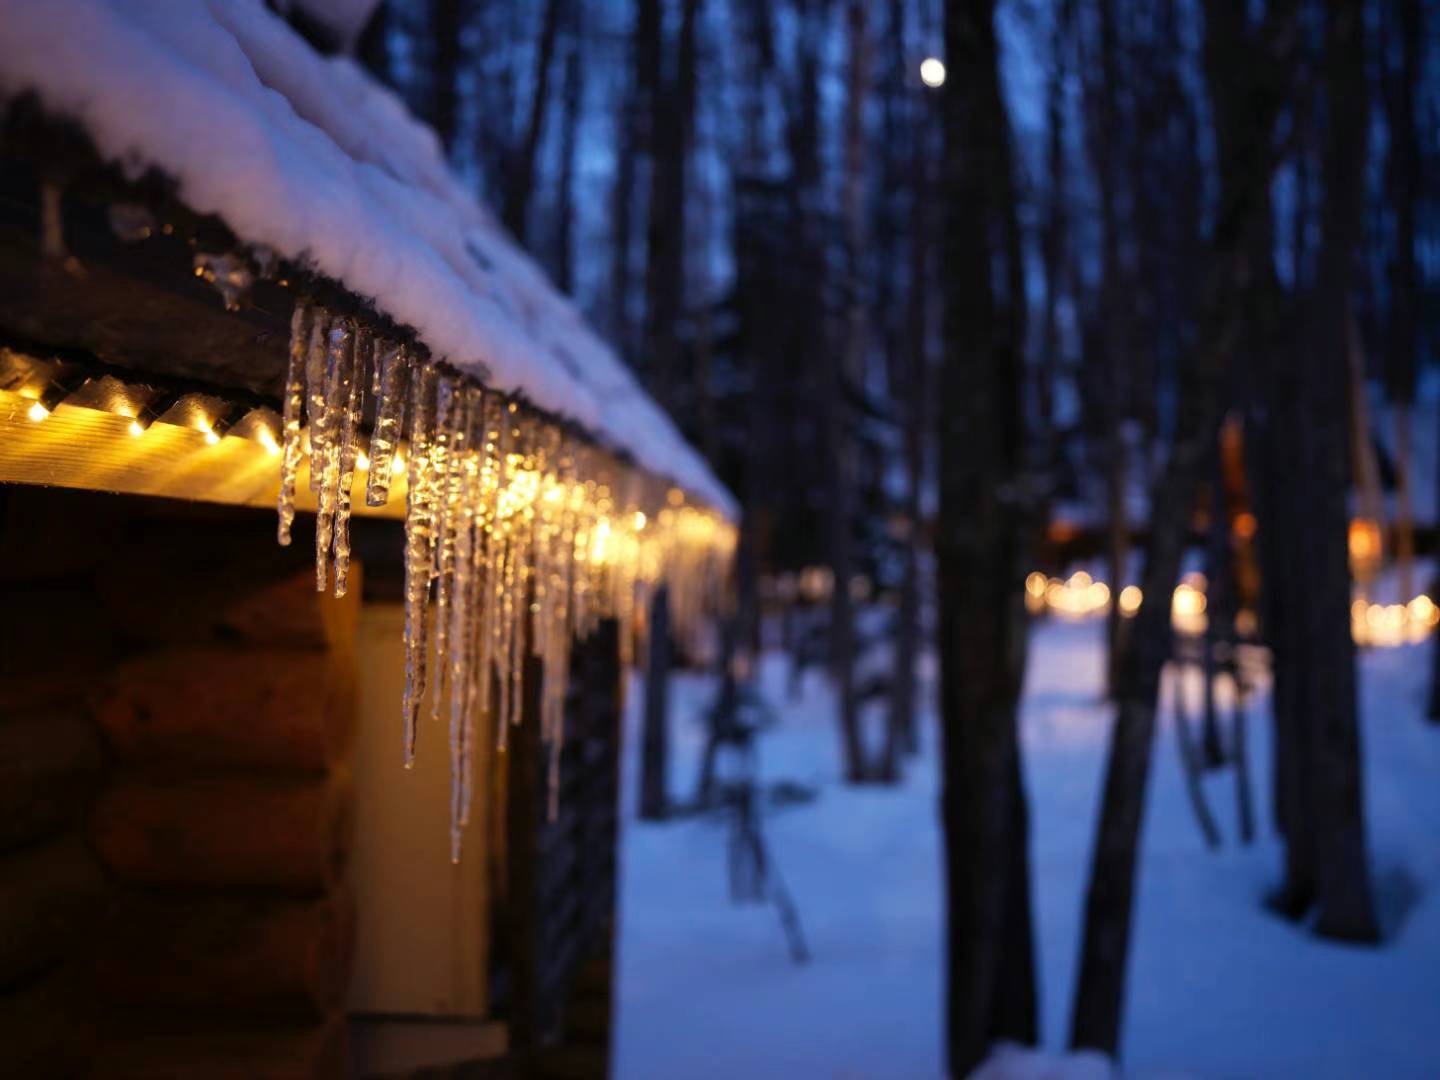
446	22
912	368
1404	179
569	127
848	358
1190	762
981	552
520	180
672	117
1343	883
1434	710
629	138
654	745
1247	95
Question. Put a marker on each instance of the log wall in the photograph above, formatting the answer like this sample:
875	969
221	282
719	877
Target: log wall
175	805
52	763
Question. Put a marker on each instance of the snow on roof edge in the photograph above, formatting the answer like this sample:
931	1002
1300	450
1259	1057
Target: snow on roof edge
309	157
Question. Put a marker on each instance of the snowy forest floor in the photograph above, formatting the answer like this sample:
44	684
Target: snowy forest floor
1217	987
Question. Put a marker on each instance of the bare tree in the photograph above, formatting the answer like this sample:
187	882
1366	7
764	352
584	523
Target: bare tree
672	121
981	555
520	179
1247	72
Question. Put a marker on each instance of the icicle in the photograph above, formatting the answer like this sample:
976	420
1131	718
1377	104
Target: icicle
478	705
335	400
498	618
391	378
315	412
419	523
352	390
517	602
449	407
466	466
301	320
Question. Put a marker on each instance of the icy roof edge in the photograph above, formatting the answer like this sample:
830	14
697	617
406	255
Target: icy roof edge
312	159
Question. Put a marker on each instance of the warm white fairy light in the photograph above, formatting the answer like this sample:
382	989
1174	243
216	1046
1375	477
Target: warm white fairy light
38	412
932	72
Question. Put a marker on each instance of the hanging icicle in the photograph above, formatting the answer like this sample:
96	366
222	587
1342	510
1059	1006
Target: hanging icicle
351	389
518	538
328	428
419	519
391	366
294	408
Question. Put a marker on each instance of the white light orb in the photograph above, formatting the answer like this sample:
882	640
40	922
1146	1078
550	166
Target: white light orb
932	72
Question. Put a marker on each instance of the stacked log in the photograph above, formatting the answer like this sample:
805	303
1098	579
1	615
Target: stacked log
227	946
52	761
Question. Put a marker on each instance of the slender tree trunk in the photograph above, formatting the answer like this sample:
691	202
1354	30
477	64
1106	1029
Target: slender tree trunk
1054	246
1190	763
570	123
520	182
1404	183
1434	710
1247	94
629	137
655	739
672	121
849	359
981	554
1434	596
909	344
1220	609
1345	907
1112	338
447	19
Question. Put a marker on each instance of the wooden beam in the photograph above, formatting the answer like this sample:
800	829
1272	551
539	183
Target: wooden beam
94	450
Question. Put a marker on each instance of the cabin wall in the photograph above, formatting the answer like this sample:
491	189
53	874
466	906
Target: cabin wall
211	860
180	705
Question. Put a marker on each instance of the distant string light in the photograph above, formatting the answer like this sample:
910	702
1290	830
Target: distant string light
1080	597
932	72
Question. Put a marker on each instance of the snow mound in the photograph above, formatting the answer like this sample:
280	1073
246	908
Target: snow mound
308	156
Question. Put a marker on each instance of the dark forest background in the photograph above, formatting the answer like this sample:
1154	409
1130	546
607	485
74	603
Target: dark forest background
912	327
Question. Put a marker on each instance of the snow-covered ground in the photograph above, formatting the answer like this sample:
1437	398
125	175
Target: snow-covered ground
1217	987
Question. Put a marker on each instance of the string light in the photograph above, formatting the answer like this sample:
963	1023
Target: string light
151	411
54	393
932	72
220	426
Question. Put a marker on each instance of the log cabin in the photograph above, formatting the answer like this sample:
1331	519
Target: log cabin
344	804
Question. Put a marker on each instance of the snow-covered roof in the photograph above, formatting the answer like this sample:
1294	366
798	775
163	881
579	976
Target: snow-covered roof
308	156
